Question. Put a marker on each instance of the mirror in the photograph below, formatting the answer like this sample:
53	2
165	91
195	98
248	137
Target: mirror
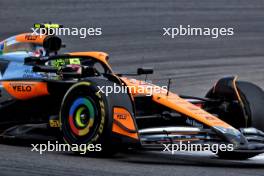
142	71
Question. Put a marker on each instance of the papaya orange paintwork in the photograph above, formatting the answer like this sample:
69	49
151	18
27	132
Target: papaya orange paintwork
30	38
24	90
122	116
174	102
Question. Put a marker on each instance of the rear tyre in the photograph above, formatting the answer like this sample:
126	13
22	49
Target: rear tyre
253	99
247	112
241	106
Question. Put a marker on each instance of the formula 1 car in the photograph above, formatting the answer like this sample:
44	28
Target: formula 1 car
46	95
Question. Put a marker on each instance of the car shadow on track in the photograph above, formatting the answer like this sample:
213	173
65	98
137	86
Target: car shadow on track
206	160
161	158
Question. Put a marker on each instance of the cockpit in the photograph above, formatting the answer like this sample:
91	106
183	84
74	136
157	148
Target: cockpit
32	49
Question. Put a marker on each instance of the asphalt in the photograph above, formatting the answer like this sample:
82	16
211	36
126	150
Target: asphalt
132	35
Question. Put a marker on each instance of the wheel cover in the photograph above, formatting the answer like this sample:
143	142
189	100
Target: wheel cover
81	116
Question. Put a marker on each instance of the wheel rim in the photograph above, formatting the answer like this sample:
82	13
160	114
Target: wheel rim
81	116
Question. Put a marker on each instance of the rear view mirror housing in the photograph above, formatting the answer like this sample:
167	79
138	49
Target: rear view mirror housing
145	71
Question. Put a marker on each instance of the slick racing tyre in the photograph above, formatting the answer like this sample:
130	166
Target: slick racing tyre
248	112
84	119
241	106
253	99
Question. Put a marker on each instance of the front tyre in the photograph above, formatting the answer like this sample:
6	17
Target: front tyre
83	118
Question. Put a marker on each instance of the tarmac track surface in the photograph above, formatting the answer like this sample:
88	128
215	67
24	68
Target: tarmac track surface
132	35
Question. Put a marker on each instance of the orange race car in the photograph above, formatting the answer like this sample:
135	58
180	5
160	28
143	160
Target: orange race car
78	98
